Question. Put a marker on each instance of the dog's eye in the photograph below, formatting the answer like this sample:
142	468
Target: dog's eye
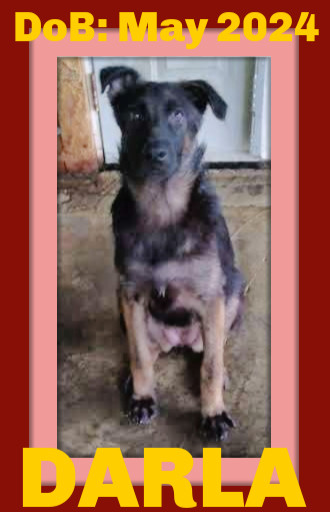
135	116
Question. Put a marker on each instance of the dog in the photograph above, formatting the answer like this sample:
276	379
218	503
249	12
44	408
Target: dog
178	282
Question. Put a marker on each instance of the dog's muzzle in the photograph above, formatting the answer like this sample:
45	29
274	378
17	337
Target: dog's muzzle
157	152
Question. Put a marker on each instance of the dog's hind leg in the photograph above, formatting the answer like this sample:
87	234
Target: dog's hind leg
215	420
142	404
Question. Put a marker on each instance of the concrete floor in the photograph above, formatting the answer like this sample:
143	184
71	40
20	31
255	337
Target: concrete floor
92	353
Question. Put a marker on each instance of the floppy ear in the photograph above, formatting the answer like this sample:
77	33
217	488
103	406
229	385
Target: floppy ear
201	93
118	79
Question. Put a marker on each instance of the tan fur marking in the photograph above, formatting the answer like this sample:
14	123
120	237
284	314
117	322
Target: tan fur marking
212	371
141	356
188	144
166	201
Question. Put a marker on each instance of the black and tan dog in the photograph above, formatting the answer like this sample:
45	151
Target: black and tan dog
178	284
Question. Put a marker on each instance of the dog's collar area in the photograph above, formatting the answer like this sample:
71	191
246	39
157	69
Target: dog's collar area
164	202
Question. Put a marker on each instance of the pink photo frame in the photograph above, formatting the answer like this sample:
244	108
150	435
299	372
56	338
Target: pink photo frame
284	242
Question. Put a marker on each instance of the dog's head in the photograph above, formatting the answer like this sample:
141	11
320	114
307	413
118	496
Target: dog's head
158	121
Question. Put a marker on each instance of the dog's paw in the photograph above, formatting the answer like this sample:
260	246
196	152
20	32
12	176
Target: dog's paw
142	411
216	427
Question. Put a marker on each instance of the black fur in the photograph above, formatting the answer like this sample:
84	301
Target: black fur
154	104
217	427
172	245
202	219
155	118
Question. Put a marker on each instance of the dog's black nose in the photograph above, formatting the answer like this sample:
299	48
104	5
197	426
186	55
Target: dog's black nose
157	152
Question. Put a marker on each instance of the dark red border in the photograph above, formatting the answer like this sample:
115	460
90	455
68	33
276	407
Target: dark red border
313	276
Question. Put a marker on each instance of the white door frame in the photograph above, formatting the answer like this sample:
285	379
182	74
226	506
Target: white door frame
260	136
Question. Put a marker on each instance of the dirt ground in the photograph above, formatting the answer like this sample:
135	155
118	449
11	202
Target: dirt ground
92	351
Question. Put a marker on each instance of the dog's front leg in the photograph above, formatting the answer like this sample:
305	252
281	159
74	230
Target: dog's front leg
142	405
215	420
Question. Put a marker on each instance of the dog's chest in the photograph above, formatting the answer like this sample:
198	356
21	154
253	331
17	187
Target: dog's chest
182	254
175	269
175	264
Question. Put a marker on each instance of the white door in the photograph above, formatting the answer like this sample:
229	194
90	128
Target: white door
240	137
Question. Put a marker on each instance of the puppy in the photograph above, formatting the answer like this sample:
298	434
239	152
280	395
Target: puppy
178	283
